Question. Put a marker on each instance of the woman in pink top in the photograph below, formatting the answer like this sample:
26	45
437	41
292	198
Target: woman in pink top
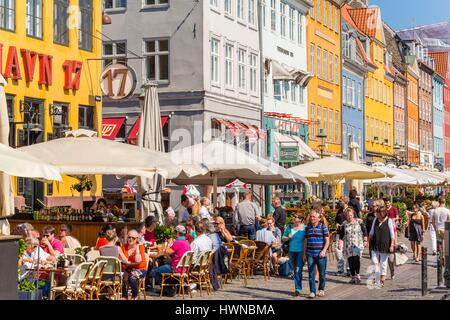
176	251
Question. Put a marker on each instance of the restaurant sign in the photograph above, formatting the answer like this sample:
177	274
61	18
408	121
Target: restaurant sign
289	153
118	81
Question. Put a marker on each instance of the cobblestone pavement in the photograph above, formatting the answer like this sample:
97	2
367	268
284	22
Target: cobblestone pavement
406	285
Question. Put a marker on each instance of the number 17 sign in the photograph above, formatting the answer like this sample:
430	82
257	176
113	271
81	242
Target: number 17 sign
118	81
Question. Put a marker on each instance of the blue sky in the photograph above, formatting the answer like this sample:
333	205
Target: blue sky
399	14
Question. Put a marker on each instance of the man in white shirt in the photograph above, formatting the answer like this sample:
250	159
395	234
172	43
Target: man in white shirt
202	243
440	216
30	258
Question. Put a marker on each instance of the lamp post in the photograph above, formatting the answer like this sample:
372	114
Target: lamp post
322	135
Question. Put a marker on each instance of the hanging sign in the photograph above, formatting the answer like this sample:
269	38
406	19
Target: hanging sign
118	81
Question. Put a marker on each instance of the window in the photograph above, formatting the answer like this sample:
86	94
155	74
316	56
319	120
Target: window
312	59
319	117
251	12
86	117
312	117
312	12
330	21
241	68
60	17
336	125
299	28
240	9
115	4
291	23
346	44
285	88
325	64
8	14
325	122
336	70
301	94
330	135
115	52
10	109
277	89
253	72
156	54
34	18
319	10
336	19
283	19
61	120
273	15
215	60
319	62
229	65
344	90
263	13
148	3
360	96
324	12
85	31
344	139
353	93
214	3
294	91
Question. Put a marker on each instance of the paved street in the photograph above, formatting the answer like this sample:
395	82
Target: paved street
406	285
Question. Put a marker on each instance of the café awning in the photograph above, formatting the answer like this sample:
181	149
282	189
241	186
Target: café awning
305	152
132	136
111	127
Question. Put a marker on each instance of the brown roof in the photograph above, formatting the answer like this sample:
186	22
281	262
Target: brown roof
441	62
365	19
392	48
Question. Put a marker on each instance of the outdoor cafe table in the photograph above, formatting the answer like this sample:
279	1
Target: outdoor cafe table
51	271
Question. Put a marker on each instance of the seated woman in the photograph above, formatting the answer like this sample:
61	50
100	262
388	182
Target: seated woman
101	240
111	249
135	267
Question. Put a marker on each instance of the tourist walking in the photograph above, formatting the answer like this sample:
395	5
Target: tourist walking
440	216
353	240
279	215
381	242
433	237
315	251
295	234
339	220
354	203
415	231
246	215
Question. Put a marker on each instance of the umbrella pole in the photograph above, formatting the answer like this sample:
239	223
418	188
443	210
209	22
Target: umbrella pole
214	192
333	188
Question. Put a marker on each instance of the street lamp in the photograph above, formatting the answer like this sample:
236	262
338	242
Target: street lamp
322	135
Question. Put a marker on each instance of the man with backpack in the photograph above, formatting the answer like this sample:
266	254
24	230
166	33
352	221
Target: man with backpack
315	251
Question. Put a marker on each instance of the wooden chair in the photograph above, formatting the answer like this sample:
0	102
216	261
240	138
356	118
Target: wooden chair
182	277
250	247
262	258
237	262
74	287
95	278
331	252
112	276
200	272
230	249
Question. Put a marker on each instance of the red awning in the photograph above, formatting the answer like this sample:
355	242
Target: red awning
132	137
230	125
249	131
111	127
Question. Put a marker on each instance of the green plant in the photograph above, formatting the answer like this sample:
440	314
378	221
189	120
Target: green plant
22	247
82	251
163	233
29	286
84	184
402	208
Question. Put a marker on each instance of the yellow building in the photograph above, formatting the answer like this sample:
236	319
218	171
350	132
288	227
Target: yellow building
379	114
49	58
324	94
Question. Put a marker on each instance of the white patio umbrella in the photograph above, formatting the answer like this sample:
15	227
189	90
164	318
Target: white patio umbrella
333	170
226	163
6	198
90	156
151	137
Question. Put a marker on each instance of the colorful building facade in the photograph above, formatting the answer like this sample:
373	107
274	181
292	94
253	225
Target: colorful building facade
324	94
426	112
438	120
53	83
413	112
379	86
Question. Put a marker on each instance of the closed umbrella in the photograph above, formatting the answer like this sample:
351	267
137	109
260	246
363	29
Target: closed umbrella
226	163
151	137
6	197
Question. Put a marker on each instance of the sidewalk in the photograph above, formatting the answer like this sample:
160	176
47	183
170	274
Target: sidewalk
406	285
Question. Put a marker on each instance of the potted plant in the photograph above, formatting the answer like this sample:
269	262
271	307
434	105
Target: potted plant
164	233
29	291
85	184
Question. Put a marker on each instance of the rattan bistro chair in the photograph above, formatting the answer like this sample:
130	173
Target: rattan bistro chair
112	277
228	262
74	259
182	277
95	278
74	287
262	258
200	272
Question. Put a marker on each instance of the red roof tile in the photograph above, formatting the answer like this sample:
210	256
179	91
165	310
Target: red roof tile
442	64
365	19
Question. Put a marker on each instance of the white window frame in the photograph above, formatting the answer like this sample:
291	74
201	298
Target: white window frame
299	28
35	19
229	65
325	64
157	53
116	6
252	10
283	18
240	10
242	68
115	57
273	15
215	60
8	21
156	4
292	14
253	72
312	58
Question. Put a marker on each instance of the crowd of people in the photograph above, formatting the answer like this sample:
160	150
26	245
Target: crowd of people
306	240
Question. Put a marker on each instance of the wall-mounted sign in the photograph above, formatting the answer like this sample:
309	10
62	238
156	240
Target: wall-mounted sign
118	81
289	153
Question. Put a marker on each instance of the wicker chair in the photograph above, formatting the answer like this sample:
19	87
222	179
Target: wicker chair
250	247
200	272
75	284
74	259
230	249
182	277
112	276
95	279
262	258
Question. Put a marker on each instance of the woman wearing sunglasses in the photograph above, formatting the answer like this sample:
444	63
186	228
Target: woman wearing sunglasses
135	266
